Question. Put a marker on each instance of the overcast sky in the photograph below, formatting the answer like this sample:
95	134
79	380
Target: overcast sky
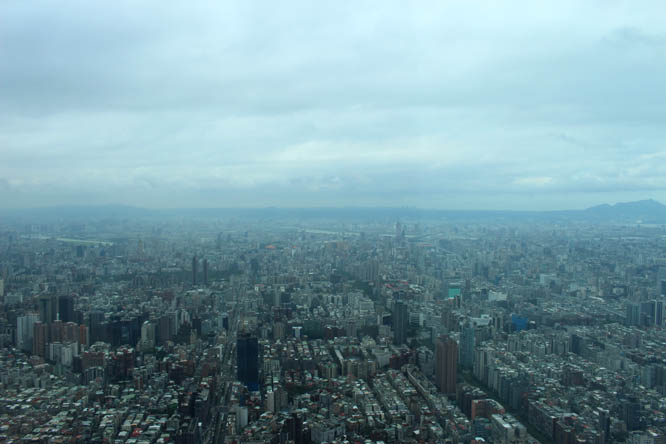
502	105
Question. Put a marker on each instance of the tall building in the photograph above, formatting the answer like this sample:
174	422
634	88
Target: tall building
631	414
661	281
247	357
25	327
633	314
48	308
604	424
194	270
400	322
659	313
96	326
446	365
55	331
66	308
467	343
40	339
148	335
84	335
205	272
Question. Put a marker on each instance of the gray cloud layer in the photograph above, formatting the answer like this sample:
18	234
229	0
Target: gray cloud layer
469	105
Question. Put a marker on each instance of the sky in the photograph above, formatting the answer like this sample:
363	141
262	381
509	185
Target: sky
457	105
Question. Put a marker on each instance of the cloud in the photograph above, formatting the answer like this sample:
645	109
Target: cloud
292	104
533	181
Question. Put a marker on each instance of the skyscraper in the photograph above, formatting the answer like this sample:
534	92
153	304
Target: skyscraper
247	357
25	327
96	325
40	339
205	272
446	362
467	343
194	270
47	308
647	313
633	314
66	308
659	313
400	323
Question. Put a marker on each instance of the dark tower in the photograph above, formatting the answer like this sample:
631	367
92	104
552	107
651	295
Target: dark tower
96	327
48	308
66	308
247	356
400	323
194	270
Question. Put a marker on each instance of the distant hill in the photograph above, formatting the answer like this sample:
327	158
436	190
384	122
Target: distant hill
644	211
80	212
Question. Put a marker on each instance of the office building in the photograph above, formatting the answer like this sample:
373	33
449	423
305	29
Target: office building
96	326
205	272
400	323
446	365
25	327
247	357
467	343
194	270
659	313
48	308
633	314
40	339
66	308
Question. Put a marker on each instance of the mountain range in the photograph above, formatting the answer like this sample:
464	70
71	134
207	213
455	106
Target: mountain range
644	211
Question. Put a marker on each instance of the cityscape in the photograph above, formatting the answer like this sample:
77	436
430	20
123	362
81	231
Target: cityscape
332	222
349	330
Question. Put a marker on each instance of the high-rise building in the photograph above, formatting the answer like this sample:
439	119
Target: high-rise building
205	272
48	308
647	313
96	326
194	270
400	322
446	365
148	335
66	308
467	343
40	339
55	331
84	335
247	357
604	424
633	314
25	327
659	313
631	414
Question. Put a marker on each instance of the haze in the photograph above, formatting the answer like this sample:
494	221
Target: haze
468	105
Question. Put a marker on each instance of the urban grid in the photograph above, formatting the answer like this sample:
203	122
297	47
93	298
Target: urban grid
332	331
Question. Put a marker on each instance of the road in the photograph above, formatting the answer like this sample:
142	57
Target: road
215	433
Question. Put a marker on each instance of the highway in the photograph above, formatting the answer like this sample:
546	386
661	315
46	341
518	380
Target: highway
215	434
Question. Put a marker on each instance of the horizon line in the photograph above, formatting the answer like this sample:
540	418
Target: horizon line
293	208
